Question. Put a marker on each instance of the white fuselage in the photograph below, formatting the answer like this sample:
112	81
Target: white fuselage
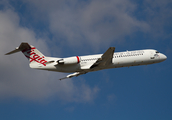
120	59
84	64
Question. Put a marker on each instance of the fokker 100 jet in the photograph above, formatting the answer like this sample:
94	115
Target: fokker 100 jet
84	64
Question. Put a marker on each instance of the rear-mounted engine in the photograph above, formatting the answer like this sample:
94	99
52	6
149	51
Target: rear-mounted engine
68	61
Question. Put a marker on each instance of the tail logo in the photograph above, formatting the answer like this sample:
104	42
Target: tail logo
34	57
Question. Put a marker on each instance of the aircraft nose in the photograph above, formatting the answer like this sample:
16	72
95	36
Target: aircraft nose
163	57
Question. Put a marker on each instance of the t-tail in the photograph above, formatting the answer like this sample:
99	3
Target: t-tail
34	56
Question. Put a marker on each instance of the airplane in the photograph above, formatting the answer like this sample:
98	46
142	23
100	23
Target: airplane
84	64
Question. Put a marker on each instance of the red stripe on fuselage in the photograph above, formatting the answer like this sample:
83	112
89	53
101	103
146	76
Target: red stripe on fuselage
78	59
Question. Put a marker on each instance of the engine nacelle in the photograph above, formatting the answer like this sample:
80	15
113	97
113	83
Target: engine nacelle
70	60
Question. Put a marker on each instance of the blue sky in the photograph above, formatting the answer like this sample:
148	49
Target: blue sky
65	28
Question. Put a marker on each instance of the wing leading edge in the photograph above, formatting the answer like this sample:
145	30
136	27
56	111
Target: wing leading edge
105	59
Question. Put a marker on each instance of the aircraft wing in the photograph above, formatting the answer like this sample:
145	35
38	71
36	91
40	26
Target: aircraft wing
105	59
73	75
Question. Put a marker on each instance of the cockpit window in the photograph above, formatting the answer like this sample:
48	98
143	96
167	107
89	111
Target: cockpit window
157	52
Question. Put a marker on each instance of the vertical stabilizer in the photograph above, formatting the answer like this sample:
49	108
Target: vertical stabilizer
34	56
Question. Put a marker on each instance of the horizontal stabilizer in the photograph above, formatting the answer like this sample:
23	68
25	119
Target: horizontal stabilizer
23	46
14	51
